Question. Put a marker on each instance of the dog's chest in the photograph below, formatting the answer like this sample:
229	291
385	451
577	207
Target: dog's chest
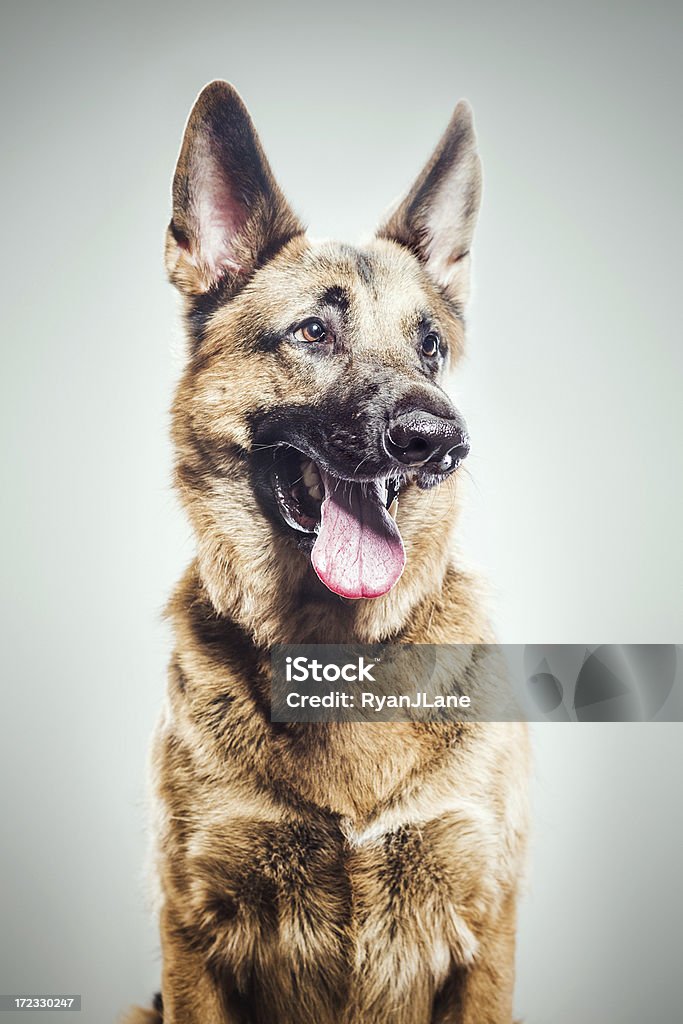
361	922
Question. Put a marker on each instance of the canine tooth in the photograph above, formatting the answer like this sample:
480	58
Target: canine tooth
316	492
393	508
311	476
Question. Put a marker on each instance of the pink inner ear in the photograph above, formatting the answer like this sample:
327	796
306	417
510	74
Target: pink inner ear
219	218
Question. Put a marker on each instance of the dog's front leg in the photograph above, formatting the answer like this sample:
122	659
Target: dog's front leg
482	993
191	993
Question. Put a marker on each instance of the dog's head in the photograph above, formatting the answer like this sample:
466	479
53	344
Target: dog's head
313	405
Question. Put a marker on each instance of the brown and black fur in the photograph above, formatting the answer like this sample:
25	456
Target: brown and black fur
320	874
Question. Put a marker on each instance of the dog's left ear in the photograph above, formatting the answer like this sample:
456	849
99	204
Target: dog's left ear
229	215
436	219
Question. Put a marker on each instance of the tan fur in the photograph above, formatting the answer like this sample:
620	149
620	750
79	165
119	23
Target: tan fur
321	874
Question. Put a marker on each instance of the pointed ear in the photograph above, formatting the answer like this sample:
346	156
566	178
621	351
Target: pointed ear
229	214
436	219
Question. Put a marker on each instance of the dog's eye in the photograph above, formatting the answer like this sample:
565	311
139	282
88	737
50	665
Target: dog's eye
430	345
311	331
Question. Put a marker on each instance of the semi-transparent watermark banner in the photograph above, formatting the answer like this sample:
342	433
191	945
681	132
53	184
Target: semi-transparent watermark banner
477	683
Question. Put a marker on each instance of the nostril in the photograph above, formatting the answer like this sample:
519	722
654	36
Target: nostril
461	450
408	446
417	448
455	455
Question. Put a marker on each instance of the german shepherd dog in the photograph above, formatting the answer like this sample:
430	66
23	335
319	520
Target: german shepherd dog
348	873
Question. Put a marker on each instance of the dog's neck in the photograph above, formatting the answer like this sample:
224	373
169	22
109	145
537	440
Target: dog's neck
237	601
270	591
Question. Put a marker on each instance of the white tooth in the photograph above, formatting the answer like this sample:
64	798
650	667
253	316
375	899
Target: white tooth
393	508
311	476
316	492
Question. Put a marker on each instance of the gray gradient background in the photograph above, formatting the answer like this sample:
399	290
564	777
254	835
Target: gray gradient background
572	392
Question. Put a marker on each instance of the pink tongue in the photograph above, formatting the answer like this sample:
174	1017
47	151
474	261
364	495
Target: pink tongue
358	551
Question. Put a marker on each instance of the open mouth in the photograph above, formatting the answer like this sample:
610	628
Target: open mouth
357	550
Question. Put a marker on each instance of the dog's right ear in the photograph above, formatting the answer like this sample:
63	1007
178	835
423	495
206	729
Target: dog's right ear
229	215
436	219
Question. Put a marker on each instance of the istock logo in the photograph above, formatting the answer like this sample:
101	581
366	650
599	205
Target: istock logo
302	669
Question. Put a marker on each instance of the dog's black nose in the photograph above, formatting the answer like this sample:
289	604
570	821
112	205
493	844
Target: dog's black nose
416	438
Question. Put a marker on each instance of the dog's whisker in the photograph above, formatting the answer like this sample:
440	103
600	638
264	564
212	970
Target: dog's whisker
472	478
